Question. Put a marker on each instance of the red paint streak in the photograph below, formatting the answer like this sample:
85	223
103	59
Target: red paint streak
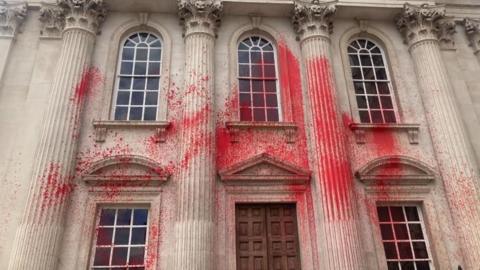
55	187
151	248
91	78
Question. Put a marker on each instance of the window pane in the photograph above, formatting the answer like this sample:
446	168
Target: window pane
139	83
393	266
397	213
365	60
364	116
257	71
373	102
142	54
244	85
368	74
138	236
389	116
123	98
258	100
121	113
259	114
125	83
151	98
370	87
245	114
383	213
137	255
422	266
272	115
243	57
140	68
245	100
104	236
377	60
420	250
386	102
107	217
119	256
361	102
407	266
244	71
128	53
150	114
390	250
271	100
136	113
270	86
126	68
353	58
256	57
358	86
102	256
401	232
268	58
269	71
356	73
405	250
156	44
381	74
137	98
124	216
121	236
412	213
376	116
155	54
383	88
257	86
153	83
154	68
387	232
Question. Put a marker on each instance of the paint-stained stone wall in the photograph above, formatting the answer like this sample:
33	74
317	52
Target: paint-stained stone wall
28	77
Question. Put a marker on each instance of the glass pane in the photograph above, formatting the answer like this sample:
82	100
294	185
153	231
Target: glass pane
258	100
407	266
155	54
356	74
142	54
119	256
383	88
422	266
270	86
383	213
269	71
139	83
245	100
140	68
107	217
143	36
150	114
121	236
351	50
259	114
397	213
136	113
373	102
381	74
153	83
364	116
405	250
244	85
393	266
272	115
389	116
137	255
151	98
138	236
257	86
268	48
386	102
124	216
420	250
104	236
244	71
387	232
412	213
128	53
362	43
126	68
256	57
121	113
268	58
137	98
154	68
358	86
376	50
156	44
401	231
362	102
257	71
369	44
271	100
129	43
243	57
242	46
390	251
353	58
377	60
125	83
370	87
102	256
135	38
123	97
368	74
376	116
151	38
365	60
245	114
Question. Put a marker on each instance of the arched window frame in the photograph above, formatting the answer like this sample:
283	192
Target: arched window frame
278	94
131	90
389	81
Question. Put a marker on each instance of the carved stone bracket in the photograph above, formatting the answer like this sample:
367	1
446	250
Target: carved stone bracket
313	18
289	129
200	16
101	128
360	130
418	23
12	16
52	18
472	28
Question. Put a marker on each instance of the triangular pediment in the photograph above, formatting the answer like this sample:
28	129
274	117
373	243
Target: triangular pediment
399	170
124	169
264	168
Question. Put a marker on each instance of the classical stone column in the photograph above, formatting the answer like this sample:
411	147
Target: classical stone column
331	169
11	18
419	26
39	234
195	226
472	28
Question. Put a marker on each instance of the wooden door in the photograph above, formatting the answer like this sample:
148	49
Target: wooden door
267	237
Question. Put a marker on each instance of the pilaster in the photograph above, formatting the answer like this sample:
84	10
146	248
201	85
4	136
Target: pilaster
40	232
12	16
195	225
472	28
419	25
330	162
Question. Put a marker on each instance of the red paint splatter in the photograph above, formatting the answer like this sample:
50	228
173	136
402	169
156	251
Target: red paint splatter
90	79
55	187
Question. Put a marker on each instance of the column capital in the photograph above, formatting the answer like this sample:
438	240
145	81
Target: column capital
86	15
200	16
52	18
313	18
472	28
446	33
418	23
12	16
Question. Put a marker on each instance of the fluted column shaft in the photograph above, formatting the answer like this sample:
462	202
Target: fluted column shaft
38	237
452	149
195	226
330	165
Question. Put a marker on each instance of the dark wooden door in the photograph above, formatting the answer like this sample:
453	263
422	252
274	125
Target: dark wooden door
267	237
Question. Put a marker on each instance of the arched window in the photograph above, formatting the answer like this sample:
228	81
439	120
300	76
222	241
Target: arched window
371	81
138	78
257	80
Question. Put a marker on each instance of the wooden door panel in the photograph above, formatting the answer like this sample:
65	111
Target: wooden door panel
251	238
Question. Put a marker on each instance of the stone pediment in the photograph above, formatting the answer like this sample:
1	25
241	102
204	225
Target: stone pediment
265	168
125	170
395	170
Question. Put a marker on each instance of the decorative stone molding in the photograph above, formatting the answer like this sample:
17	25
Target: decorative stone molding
12	16
200	16
266	169
395	170
101	128
418	23
52	18
472	28
313	18
360	130
289	129
83	14
446	33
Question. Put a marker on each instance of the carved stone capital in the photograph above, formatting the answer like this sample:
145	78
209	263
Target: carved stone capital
12	16
200	16
418	23
313	18
446	33
472	28
52	18
87	15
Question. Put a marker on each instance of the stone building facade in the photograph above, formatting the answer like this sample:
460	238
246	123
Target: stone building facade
239	134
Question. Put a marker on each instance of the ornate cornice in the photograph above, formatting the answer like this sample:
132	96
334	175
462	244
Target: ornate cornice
418	23
200	16
472	28
313	18
11	17
86	15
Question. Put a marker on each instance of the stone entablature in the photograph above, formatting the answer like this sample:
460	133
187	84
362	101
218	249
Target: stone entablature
12	16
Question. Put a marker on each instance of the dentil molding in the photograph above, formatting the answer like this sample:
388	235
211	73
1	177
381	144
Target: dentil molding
200	16
313	18
12	16
472	28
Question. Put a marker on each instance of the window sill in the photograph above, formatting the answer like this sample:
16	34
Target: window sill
289	129
101	128
361	128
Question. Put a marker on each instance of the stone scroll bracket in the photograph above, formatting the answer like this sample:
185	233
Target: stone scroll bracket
12	15
101	128
288	129
360	130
